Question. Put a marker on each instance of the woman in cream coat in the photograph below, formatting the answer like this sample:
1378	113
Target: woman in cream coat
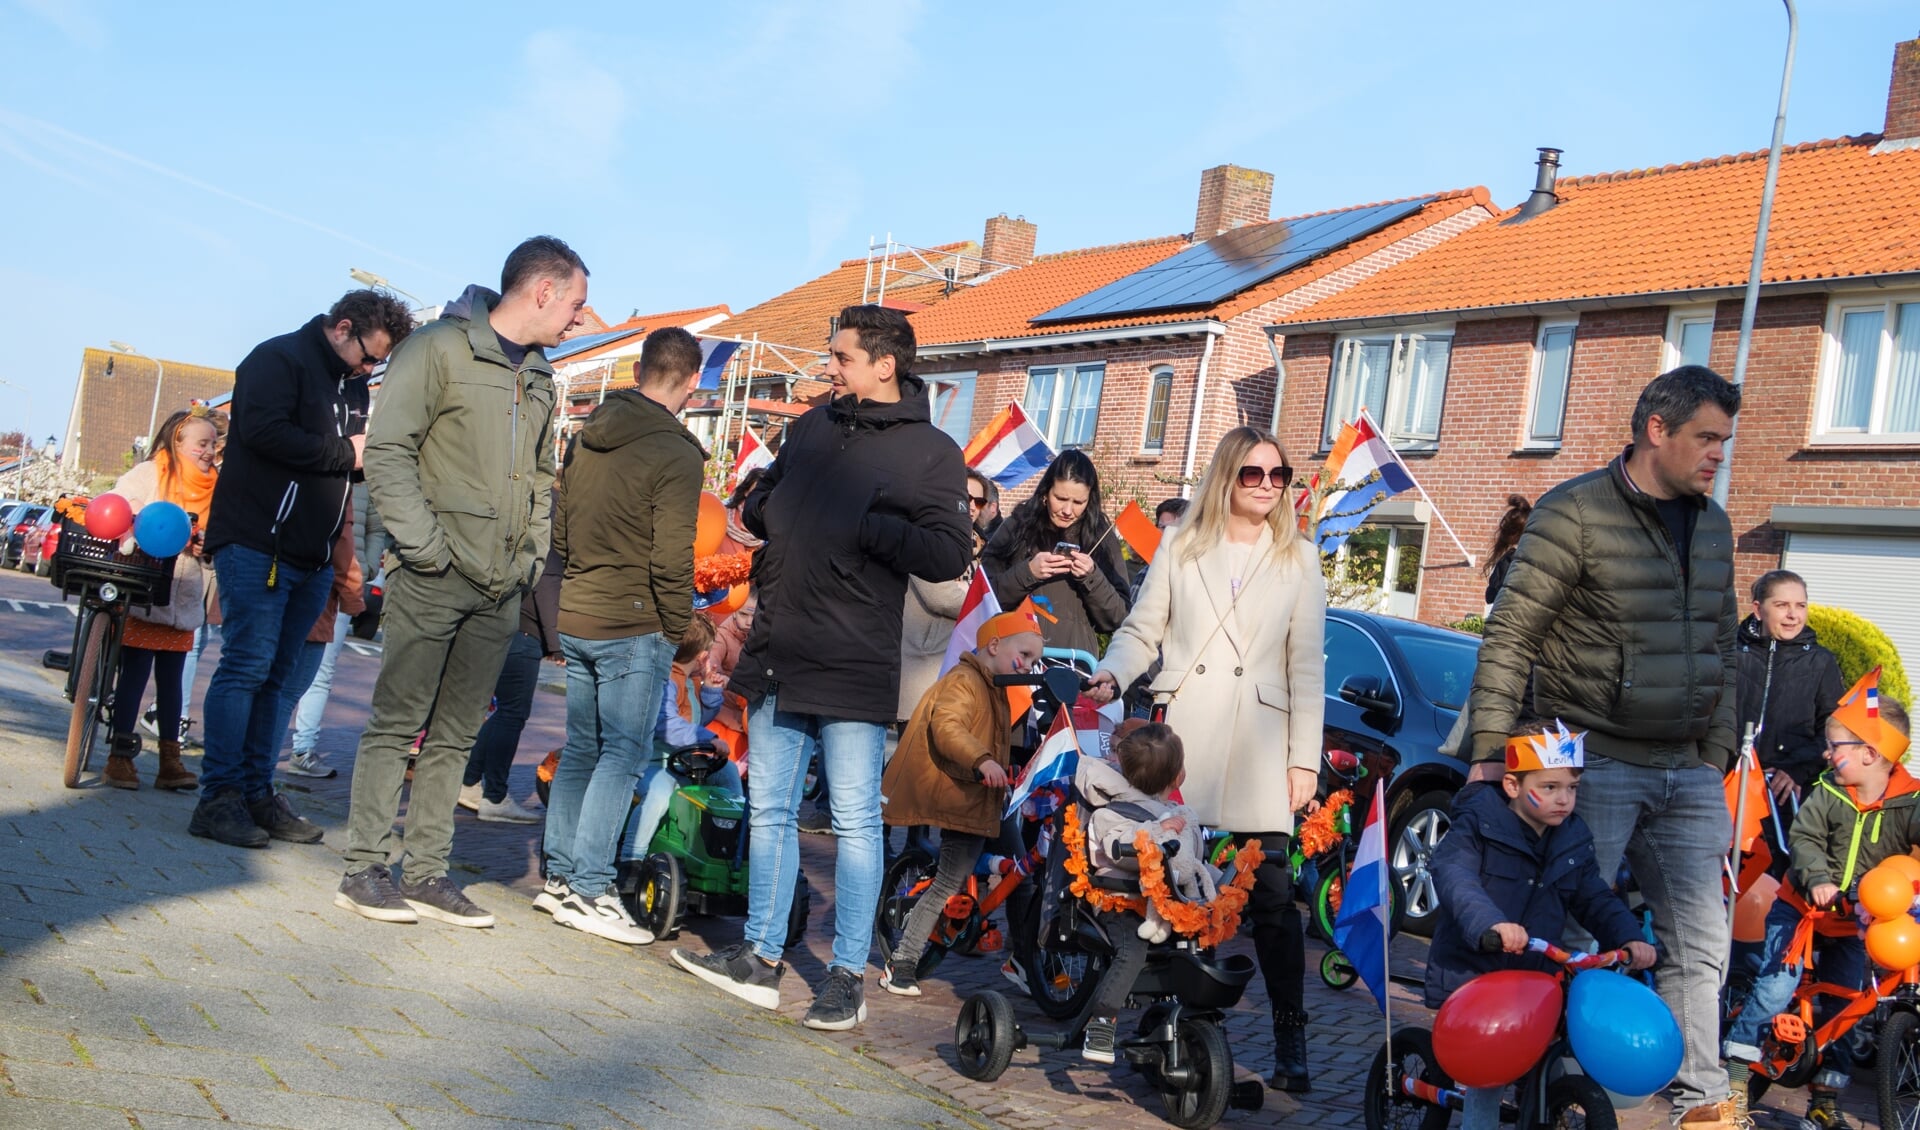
1235	606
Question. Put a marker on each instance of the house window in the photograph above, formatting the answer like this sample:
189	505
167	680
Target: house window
1159	395
1870	376
953	404
1552	361
1689	337
1063	401
1400	379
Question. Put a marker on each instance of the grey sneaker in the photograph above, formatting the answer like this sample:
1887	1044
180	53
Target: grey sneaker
370	894
308	763
736	970
439	898
470	797
1098	1046
841	1002
551	895
507	811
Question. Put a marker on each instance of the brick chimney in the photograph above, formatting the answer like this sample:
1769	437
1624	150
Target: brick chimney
1008	241
1903	93
1231	196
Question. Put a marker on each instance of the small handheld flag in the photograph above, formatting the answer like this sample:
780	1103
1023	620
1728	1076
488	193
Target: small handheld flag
1009	450
1859	711
753	455
1369	470
1360	929
1137	530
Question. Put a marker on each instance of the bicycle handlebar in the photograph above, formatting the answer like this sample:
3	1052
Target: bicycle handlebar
1490	943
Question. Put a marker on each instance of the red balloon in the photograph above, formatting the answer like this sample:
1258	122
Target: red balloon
1494	1028
109	517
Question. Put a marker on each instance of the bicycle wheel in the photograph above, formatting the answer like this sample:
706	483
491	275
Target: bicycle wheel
900	888
1575	1102
1897	1072
91	678
1384	1106
1061	978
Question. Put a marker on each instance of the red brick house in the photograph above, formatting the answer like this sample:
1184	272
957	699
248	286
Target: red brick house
1546	324
113	400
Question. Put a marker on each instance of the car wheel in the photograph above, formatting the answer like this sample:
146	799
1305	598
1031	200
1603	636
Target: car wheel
1416	835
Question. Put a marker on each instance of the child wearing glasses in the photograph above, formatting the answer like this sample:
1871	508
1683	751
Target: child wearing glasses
1864	809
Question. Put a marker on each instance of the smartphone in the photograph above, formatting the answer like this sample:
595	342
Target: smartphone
1065	548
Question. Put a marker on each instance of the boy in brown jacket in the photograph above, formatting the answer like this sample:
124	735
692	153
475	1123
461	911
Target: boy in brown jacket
950	771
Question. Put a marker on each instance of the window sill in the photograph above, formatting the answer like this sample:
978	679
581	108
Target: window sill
1536	450
1831	445
1146	457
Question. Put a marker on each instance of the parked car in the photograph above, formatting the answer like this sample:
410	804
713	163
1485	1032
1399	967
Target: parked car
24	519
36	553
1394	689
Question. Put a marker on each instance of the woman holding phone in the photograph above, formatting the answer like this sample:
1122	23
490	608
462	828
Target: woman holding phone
1059	549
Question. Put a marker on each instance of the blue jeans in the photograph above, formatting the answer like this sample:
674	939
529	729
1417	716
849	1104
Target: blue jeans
656	789
779	745
313	701
613	702
261	635
306	668
499	738
1842	961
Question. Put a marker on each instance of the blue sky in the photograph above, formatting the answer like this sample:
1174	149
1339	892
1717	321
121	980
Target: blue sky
192	178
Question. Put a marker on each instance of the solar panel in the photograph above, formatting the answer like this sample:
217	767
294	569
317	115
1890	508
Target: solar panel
1230	263
575	345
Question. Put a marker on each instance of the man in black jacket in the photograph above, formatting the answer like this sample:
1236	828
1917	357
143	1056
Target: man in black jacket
299	422
864	492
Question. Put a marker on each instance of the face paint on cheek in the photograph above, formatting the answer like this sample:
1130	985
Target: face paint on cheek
1533	798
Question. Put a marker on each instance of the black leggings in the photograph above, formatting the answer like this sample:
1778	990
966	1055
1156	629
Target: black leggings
1278	941
136	664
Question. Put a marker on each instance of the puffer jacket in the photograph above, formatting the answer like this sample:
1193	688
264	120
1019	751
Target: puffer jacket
1788	688
861	496
959	726
1836	839
1491	869
459	456
1619	642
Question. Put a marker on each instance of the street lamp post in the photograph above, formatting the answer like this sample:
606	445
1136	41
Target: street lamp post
368	278
160	375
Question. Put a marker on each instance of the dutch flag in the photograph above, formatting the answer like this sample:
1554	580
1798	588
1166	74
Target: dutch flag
714	355
1360	930
1009	450
1366	463
1053	763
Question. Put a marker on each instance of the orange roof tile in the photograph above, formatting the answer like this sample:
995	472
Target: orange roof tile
1004	305
798	317
1840	210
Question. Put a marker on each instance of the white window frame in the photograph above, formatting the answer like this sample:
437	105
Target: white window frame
1529	439
1148	445
1064	392
1678	319
954	378
1403	344
1838	307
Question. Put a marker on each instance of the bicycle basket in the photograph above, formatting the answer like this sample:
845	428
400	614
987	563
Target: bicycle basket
82	561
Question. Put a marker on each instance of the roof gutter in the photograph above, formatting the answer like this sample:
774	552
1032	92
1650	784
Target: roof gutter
1193	420
1208	326
1902	279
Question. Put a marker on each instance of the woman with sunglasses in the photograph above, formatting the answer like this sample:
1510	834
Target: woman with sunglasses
1236	605
1060	550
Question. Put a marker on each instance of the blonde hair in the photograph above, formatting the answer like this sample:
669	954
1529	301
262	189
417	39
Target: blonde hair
1205	523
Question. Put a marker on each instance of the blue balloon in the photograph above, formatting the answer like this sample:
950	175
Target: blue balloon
1622	1033
161	529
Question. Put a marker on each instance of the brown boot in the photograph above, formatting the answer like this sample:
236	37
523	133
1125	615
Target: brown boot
118	771
172	774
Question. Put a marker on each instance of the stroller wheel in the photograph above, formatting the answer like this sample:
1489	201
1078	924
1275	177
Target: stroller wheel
984	1036
1207	1079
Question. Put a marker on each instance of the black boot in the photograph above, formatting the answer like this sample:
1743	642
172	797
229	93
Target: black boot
1290	1052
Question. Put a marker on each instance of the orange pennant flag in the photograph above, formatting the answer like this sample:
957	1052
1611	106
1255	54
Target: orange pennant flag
1756	811
1138	530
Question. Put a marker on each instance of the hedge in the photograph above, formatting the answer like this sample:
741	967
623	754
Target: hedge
1860	646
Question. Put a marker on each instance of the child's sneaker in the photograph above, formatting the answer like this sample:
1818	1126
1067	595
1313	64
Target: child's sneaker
899	982
1823	1112
1098	1047
737	970
1012	971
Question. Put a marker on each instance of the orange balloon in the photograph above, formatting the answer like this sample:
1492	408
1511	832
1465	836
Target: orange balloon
1750	913
1905	864
710	527
1895	943
1886	892
736	596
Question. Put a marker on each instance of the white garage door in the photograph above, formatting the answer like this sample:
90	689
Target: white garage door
1876	577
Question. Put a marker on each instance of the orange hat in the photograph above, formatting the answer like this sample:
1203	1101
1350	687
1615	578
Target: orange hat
1004	625
1859	711
1547	750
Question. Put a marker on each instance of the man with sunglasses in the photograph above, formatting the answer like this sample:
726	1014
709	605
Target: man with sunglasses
293	451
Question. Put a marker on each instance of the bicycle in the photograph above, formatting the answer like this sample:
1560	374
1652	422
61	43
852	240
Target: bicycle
108	584
1322	855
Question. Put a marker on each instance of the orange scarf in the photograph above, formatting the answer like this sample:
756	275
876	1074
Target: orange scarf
185	485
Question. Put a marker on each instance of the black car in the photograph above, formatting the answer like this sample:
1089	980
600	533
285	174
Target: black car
23	519
1394	689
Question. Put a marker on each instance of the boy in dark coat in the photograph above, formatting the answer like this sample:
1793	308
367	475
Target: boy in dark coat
1515	863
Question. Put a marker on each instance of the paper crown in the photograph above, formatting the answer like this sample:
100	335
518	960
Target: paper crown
1859	711
1550	749
1004	625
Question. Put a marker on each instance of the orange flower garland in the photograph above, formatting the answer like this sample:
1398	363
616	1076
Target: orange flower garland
1318	833
1207	924
1075	839
721	571
72	506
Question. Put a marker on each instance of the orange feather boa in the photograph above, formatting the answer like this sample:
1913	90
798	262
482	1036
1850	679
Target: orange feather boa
1208	924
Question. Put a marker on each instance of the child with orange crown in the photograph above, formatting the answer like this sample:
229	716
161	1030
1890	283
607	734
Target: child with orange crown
1863	810
1515	863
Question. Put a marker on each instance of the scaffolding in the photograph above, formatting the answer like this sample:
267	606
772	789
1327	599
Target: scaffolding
893	263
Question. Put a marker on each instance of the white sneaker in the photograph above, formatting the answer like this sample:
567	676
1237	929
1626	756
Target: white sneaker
470	797
603	917
508	811
551	896
150	724
1014	973
308	763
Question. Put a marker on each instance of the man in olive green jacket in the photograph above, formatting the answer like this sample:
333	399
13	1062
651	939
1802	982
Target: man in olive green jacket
460	464
1620	605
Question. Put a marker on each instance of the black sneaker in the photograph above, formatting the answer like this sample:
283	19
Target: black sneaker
278	819
439	898
818	822
737	970
224	817
841	1002
1098	1046
370	894
900	982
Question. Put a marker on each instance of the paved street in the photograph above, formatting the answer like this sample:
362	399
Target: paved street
151	979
